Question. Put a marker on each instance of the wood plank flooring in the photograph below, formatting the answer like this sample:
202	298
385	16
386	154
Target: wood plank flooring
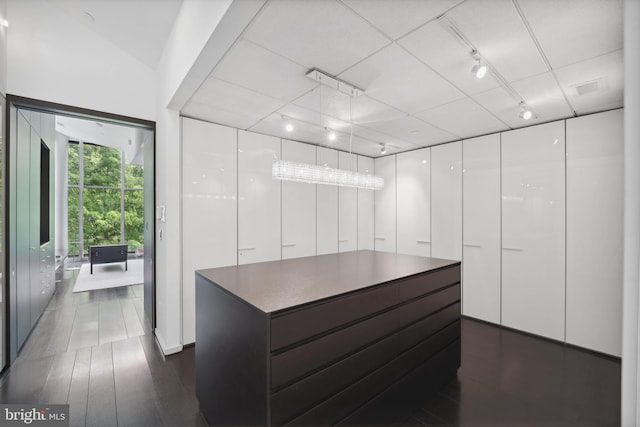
94	351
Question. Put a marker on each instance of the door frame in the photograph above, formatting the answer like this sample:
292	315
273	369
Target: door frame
13	102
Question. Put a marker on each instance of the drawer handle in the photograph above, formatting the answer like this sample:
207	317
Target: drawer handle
246	249
379	238
513	249
424	242
471	245
343	241
289	245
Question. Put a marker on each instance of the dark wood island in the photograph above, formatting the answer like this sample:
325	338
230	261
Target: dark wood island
349	338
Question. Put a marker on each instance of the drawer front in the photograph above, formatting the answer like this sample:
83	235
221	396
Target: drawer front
309	321
306	322
300	396
307	358
343	403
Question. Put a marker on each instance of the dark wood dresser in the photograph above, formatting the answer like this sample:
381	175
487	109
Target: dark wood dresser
349	338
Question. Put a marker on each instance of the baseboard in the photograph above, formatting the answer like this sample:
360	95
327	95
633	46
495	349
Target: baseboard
166	350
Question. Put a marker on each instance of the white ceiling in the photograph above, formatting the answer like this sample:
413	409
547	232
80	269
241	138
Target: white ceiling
414	69
139	27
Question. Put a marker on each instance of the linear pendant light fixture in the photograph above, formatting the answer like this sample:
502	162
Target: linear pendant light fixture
315	174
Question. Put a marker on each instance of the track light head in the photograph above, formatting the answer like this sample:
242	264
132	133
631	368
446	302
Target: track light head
383	148
525	112
479	70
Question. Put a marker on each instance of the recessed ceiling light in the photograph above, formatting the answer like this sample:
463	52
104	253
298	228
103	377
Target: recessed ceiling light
289	127
332	136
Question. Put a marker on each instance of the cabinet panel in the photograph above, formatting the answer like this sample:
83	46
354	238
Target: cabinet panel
365	207
595	166
533	230
209	208
446	201
37	283
259	231
298	205
414	202
385	205
22	276
327	206
481	225
347	207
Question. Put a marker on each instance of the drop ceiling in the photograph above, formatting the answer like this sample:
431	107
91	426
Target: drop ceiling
413	60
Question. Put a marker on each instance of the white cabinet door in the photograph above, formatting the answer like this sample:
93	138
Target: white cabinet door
259	235
365	207
327	206
481	228
595	187
414	202
298	205
446	201
347	207
533	230
209	206
385	205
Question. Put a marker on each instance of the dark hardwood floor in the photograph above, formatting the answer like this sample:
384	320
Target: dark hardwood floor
93	351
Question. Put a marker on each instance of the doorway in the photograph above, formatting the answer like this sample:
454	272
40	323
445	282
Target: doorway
73	210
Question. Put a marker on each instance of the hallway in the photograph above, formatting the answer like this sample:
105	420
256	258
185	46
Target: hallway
93	351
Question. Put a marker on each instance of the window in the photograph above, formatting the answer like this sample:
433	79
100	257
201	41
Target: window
111	195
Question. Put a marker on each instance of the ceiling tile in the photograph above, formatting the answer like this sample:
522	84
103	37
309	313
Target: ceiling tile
413	130
502	105
302	131
316	34
396	21
217	97
439	49
255	68
463	118
606	75
544	96
495	28
359	110
589	28
398	79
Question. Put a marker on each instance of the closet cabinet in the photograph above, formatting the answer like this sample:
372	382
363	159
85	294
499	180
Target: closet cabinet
327	206
298	205
209	206
446	199
259	220
595	191
414	202
385	205
481	225
533	230
365	207
347	207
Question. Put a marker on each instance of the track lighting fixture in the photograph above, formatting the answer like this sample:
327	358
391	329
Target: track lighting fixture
479	70
525	112
383	148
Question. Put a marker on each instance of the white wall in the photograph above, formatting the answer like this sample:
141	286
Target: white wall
56	58
631	326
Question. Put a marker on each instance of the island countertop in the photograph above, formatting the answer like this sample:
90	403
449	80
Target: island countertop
283	284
